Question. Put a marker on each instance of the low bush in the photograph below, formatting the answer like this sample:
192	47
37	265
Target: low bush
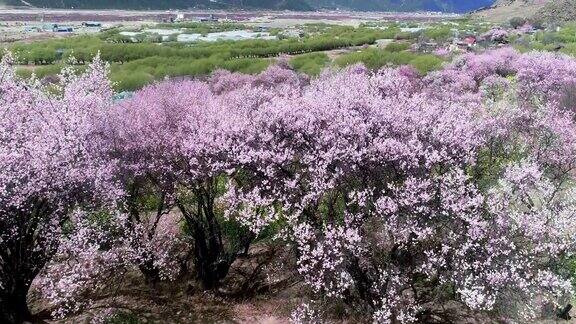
311	64
397	46
375	59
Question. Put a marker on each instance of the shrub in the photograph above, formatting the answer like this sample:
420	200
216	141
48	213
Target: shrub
427	63
397	47
131	81
123	318
368	230
311	64
438	33
517	22
375	59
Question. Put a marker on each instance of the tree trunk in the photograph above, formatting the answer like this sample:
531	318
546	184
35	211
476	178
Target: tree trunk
13	305
211	262
212	257
22	257
151	273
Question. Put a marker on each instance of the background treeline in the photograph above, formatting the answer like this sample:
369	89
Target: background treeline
134	65
194	27
85	47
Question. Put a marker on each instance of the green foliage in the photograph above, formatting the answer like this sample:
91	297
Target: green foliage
566	267
135	74
233	231
271	231
397	46
563	40
202	27
567	33
426	63
48	52
492	160
275	31
123	318
315	28
45	52
569	49
438	33
131	82
24	73
45	71
137	64
153	38
103	220
375	59
41	56
248	66
516	22
111	35
547	37
405	35
311	64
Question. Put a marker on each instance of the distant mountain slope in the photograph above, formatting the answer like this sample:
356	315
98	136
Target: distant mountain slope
406	5
166	4
366	5
503	10
547	10
558	10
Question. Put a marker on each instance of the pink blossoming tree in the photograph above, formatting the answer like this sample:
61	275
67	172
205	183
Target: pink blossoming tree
176	142
47	168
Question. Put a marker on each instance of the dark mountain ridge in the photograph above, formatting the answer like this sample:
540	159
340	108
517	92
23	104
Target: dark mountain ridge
299	5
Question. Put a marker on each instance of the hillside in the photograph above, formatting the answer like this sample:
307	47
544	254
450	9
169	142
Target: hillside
503	10
559	10
404	5
546	10
364	5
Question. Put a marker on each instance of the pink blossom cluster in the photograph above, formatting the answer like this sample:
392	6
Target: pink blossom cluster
442	51
496	34
99	250
525	29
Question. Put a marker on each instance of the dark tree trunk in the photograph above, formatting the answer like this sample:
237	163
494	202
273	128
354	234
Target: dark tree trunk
22	256
151	273
212	260
13	305
211	266
364	283
138	189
